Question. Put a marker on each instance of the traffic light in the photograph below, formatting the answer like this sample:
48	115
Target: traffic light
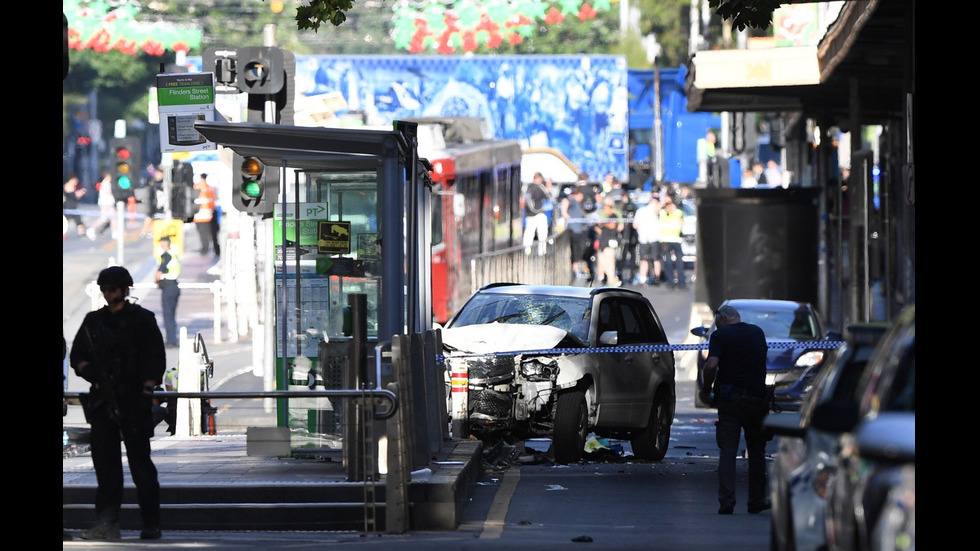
124	167
223	61
258	186
182	192
267	74
260	70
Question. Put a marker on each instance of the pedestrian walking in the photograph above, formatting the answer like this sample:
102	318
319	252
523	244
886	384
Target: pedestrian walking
73	193
736	367
671	224
120	351
608	229
206	217
166	278
535	218
646	222
107	209
573	212
774	176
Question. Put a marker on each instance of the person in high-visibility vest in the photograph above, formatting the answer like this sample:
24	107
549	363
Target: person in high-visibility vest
206	217
671	223
166	278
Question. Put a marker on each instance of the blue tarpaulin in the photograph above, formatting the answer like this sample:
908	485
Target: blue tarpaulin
681	129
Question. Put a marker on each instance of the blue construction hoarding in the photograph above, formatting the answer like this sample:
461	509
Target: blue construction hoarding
575	104
681	129
588	107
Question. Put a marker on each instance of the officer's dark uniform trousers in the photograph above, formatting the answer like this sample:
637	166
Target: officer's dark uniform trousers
741	410
135	431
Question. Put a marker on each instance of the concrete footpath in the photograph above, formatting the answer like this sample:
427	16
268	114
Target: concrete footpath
210	482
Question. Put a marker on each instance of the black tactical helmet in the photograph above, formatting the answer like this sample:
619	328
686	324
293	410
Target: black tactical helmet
115	275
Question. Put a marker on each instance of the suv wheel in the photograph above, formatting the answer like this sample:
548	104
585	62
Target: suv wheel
571	427
651	443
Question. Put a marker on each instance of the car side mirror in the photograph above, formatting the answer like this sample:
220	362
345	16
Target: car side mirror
700	331
786	423
835	416
889	437
609	338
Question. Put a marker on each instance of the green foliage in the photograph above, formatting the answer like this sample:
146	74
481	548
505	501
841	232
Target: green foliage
572	36
746	13
318	11
122	81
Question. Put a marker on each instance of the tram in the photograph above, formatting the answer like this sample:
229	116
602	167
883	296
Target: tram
475	202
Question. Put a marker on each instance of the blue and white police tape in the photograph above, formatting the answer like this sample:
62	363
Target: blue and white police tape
811	345
97	214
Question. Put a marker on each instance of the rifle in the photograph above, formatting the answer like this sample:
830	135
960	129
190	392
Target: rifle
105	382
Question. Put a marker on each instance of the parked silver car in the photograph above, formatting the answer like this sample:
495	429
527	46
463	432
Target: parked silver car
805	464
888	440
867	472
519	345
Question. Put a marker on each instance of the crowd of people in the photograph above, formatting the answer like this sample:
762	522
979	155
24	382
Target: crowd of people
612	237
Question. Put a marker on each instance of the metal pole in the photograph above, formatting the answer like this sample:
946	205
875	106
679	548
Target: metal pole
120	232
657	149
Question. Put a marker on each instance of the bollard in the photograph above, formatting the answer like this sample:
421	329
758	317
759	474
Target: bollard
356	377
460	391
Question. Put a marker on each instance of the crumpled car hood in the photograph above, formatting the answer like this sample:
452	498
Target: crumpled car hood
502	337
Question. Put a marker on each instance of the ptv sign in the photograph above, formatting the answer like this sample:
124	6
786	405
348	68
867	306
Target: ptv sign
183	99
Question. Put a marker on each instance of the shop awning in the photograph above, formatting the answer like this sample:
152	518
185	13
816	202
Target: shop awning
864	50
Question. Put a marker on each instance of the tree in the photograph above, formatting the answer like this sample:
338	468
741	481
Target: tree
742	13
746	13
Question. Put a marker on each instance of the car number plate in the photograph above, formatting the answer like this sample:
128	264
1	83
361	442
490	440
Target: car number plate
770	378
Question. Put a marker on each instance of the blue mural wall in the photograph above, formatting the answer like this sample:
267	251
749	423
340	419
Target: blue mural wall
575	104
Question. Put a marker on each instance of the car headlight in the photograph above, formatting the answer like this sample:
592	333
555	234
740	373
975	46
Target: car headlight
822	478
811	358
538	369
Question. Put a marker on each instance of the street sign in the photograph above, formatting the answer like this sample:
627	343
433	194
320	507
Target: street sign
183	99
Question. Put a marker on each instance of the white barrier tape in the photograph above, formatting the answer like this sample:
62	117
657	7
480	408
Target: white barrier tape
825	345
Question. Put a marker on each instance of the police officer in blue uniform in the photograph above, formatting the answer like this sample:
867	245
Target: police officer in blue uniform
737	352
166	278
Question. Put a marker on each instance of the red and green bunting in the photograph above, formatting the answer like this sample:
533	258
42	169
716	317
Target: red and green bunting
106	26
429	26
464	26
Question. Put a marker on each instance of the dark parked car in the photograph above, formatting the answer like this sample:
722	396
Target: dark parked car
518	388
790	369
805	463
888	441
877	447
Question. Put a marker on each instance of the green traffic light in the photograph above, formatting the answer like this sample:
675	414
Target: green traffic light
251	189
124	182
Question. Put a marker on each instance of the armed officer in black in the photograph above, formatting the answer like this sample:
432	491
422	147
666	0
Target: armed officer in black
737	353
120	350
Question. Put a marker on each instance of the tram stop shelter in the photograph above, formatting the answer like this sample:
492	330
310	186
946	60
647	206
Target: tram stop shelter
350	231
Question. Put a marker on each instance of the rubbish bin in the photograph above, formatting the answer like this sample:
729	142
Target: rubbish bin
757	243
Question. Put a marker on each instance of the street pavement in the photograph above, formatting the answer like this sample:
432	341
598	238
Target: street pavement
195	309
223	458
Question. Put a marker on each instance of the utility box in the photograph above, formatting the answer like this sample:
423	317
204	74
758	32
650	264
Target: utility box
757	243
267	441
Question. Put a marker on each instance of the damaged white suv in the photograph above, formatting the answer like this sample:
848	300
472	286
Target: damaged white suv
561	362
